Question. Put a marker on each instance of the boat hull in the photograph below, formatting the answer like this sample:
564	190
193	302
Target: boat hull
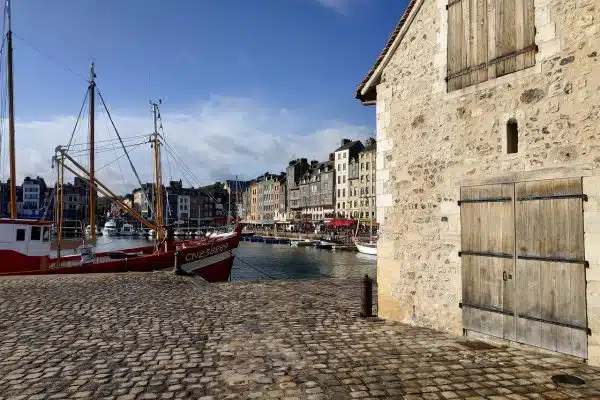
210	259
364	249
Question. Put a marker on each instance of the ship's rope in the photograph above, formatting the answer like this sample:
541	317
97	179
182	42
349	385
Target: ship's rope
255	268
125	150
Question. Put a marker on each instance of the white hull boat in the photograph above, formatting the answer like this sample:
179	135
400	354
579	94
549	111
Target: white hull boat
302	243
366	248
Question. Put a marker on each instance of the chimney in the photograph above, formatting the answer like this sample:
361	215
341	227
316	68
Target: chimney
345	141
331	157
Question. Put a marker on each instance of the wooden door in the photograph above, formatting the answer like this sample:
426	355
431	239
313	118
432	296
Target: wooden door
487	253
550	266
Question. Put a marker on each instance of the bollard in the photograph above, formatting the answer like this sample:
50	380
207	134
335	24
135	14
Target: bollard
367	297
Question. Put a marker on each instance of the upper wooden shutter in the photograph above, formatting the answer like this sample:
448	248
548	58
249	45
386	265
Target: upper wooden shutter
487	39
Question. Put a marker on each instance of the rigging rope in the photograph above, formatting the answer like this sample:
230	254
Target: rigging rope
254	268
133	147
124	149
78	117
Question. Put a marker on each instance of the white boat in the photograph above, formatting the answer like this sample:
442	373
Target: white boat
110	228
179	232
366	248
302	242
151	233
126	230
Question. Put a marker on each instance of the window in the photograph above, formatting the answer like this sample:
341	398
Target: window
489	51
343	192
339	179
344	166
343	204
355	203
367	191
344	179
367	165
362	191
362	179
20	235
339	156
36	233
339	167
367	202
338	205
512	137
367	178
345	155
339	192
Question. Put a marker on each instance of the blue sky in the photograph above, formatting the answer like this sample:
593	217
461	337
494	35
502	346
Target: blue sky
282	68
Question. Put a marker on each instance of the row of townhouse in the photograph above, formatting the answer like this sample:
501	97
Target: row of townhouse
207	205
341	187
35	199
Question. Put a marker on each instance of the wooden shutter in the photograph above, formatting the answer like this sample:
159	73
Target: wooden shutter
488	39
467	43
515	36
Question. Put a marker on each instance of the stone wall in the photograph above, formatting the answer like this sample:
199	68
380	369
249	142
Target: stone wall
430	141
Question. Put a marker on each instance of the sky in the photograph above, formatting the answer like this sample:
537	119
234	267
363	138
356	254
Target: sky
246	86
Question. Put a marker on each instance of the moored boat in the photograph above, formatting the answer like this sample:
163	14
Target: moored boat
302	242
110	228
366	247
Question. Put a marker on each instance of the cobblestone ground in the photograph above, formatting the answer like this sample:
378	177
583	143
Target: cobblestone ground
153	336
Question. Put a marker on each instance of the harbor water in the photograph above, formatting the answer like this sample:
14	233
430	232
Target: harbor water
261	261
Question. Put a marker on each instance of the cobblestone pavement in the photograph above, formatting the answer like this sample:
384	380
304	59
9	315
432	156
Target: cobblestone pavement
157	336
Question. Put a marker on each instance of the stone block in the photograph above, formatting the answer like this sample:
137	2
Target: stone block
449	208
592	247
593	204
593	294
593	273
591	186
542	16
591	224
548	49
385	145
593	317
382	175
384	200
594	356
546	32
454	224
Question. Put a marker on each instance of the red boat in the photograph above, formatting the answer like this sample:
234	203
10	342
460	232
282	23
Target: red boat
25	250
25	245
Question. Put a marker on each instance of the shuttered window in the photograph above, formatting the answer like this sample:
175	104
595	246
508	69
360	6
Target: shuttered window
488	39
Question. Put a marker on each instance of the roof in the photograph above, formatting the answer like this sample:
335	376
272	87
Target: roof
385	51
371	147
347	145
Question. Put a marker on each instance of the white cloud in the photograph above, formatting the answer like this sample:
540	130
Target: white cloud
217	139
340	6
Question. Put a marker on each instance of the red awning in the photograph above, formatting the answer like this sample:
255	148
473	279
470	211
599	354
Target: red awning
341	222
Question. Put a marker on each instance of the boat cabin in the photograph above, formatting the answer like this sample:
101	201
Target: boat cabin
28	237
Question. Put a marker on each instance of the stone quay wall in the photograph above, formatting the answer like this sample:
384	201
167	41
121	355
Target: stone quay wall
431	141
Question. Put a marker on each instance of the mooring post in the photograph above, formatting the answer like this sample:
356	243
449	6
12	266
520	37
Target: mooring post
176	266
367	297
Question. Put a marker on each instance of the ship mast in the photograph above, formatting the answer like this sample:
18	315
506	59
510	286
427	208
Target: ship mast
158	214
11	118
92	186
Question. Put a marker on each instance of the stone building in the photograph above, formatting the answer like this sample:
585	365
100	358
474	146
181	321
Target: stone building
253	188
354	188
495	107
294	171
367	174
349	149
317	191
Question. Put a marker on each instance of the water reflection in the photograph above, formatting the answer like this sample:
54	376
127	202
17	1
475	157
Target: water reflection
280	261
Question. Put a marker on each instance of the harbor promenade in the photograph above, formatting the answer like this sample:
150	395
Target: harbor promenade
159	336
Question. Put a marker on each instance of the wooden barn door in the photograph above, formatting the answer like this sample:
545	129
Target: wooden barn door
550	266
488	247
